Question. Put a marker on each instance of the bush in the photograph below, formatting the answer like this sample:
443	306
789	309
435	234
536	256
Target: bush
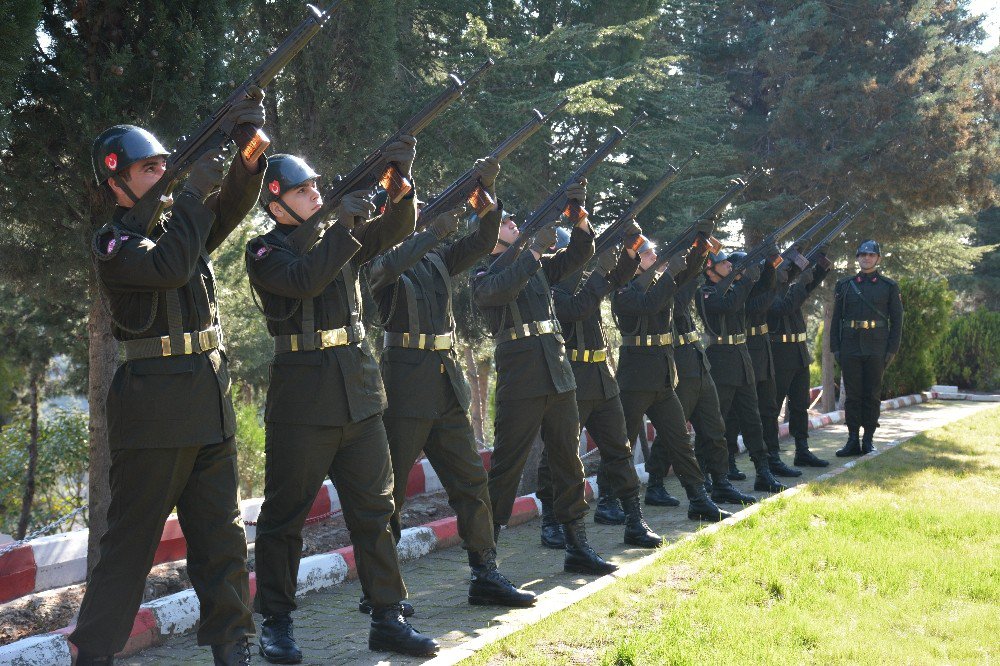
250	449
969	355
927	305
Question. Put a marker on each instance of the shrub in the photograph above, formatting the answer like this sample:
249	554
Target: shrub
250	448
927	305
969	355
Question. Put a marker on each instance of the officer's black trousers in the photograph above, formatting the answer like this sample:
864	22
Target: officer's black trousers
793	383
741	403
863	381
605	421
146	484
672	444
298	458
450	446
515	426
700	401
767	421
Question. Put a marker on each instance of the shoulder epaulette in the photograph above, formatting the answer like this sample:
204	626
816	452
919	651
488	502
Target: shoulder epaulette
108	241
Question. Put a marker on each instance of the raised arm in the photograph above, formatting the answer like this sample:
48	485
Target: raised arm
285	273
503	286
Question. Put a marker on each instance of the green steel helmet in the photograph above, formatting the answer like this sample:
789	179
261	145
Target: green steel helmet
118	147
717	257
737	256
869	247
283	173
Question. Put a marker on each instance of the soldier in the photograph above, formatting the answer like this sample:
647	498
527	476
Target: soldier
787	328
864	338
732	368
647	376
535	384
171	424
597	399
429	397
323	415
758	344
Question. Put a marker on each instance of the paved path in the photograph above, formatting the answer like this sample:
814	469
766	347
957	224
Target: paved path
331	631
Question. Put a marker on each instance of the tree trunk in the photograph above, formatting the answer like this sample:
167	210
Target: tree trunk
483	374
28	498
103	357
478	404
829	399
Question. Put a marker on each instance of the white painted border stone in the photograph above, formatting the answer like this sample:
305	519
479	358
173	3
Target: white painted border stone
40	650
175	613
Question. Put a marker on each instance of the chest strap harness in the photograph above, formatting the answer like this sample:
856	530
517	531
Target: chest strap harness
414	339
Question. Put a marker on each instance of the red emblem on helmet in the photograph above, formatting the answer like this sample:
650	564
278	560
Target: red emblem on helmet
275	187
111	160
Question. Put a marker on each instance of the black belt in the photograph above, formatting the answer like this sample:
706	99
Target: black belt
869	324
337	337
528	329
656	340
757	330
738	339
420	341
788	337
588	355
687	338
194	343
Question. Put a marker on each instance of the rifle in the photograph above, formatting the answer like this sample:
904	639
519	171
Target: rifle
820	259
374	170
468	188
215	132
612	235
793	253
557	204
758	253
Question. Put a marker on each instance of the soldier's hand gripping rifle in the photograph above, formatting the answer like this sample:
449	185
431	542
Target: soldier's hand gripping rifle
819	258
468	188
558	204
375	170
793	253
217	131
613	234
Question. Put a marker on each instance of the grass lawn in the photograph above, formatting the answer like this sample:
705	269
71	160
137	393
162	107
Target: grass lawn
894	562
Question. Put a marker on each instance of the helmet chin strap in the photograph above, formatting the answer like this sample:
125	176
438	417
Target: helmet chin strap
294	215
125	188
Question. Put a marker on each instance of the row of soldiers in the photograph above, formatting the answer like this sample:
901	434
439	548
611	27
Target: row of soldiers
335	411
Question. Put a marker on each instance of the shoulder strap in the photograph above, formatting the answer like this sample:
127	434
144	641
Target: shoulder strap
442	270
413	313
871	306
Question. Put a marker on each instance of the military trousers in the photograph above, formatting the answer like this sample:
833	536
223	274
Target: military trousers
605	422
700	401
298	458
766	421
146	485
739	403
863	383
450	447
793	383
515	425
672	444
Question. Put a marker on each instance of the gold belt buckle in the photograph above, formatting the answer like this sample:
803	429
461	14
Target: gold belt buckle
188	349
442	342
545	327
165	344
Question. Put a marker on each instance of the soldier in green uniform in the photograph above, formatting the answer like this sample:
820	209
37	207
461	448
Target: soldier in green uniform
535	384
323	416
647	376
864	337
787	328
723	316
171	425
428	394
597	398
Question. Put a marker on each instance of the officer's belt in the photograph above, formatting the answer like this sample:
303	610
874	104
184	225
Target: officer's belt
194	343
687	338
528	329
588	355
337	337
419	341
869	324
788	337
738	339
655	340
757	330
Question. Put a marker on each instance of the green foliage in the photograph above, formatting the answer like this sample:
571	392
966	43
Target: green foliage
250	449
927	305
61	476
968	356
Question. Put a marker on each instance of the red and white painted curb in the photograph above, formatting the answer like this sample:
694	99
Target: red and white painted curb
178	613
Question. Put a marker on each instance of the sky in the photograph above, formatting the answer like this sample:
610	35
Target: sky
992	10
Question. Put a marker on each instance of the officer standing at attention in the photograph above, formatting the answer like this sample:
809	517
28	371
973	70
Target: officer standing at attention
597	398
171	424
323	416
864	338
429	397
647	376
724	319
535	384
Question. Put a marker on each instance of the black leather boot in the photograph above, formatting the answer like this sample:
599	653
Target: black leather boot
779	468
233	654
657	495
702	507
489	587
867	446
552	534
365	606
580	557
734	472
277	644
806	458
724	492
85	659
390	632
703	465
852	447
637	532
765	481
609	511
496	532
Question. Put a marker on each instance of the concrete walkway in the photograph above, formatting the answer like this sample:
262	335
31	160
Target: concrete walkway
330	630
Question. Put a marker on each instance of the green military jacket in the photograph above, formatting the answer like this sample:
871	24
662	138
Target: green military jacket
338	385
785	317
414	296
535	365
878	301
690	359
757	305
183	400
724	315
